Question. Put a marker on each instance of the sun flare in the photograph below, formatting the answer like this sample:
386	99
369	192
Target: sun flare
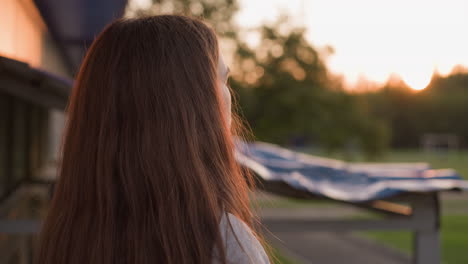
417	82
372	40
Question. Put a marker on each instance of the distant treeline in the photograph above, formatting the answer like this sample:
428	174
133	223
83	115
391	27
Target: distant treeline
441	108
287	95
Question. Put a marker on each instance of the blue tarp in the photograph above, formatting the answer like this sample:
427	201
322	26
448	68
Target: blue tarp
338	180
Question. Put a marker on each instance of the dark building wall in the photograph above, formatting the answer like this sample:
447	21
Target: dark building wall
23	130
29	132
42	43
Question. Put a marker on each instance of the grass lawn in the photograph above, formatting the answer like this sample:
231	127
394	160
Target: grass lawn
278	257
453	160
454	232
454	236
454	229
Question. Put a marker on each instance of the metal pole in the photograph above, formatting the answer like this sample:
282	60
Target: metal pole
427	238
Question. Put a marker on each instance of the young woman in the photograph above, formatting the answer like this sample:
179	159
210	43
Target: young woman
148	173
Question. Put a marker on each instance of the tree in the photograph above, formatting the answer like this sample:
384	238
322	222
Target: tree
288	96
218	13
285	90
440	108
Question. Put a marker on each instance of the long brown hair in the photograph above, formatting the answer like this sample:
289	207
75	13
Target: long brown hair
147	163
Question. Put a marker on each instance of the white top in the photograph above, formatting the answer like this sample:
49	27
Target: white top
240	244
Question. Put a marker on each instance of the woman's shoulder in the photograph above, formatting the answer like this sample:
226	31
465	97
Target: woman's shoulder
241	244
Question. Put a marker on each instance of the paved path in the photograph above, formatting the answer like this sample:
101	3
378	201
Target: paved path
332	248
326	247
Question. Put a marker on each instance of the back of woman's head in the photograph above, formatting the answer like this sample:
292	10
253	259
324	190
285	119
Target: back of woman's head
147	162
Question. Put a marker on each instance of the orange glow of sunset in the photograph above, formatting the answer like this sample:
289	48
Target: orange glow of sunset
375	39
21	30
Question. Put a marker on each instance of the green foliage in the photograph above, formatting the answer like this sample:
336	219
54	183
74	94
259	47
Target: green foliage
287	95
219	13
440	108
285	90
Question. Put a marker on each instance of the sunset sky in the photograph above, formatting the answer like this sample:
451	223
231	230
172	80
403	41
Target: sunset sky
373	39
